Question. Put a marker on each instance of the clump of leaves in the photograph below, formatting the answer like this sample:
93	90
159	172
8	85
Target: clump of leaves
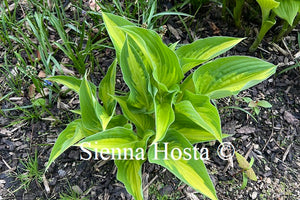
256	105
164	113
246	169
30	172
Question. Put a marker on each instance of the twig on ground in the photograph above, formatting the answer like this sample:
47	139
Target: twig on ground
145	179
270	135
191	195
287	49
7	165
155	177
249	151
281	50
18	127
45	181
264	50
229	164
286	152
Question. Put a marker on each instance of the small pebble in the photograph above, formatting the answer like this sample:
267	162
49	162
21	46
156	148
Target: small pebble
286	61
61	173
77	189
93	194
267	168
261	185
254	195
281	167
268	173
268	180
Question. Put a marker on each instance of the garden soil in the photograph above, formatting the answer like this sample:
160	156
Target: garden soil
272	140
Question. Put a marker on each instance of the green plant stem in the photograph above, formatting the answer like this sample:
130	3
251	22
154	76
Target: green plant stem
241	109
266	26
285	31
237	12
282	31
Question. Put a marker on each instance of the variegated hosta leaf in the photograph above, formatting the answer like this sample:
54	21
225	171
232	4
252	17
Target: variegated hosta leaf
136	77
164	114
142	121
266	26
118	141
191	131
72	134
164	62
118	120
94	117
199	110
107	89
187	168
230	75
197	119
173	46
69	81
112	22
266	6
186	85
202	50
129	173
288	10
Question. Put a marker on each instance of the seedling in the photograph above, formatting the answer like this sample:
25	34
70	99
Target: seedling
255	105
247	170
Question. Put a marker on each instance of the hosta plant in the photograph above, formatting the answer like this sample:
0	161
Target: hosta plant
165	112
285	9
